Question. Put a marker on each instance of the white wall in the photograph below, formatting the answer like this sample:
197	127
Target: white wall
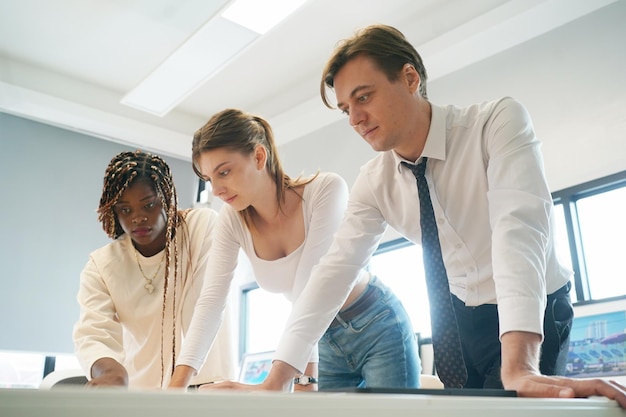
51	180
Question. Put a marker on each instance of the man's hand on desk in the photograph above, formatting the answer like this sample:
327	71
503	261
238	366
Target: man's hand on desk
542	386
520	358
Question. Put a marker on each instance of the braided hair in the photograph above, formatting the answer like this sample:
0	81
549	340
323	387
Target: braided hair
128	168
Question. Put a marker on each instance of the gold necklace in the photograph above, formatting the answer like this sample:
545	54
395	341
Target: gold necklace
148	286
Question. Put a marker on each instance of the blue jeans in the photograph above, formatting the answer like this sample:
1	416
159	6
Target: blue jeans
376	348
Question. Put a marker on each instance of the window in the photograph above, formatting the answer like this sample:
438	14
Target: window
399	265
66	361
21	369
27	369
264	315
590	227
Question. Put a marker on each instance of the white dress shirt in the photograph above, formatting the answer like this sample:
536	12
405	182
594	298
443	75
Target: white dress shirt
494	213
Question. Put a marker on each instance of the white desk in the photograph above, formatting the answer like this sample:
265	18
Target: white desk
79	402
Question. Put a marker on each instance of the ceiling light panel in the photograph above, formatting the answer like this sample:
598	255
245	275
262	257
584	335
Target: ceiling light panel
260	16
205	53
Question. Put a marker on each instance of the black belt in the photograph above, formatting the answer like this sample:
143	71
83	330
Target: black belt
563	290
360	306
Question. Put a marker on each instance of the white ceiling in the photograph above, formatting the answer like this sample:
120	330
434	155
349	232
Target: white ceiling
69	62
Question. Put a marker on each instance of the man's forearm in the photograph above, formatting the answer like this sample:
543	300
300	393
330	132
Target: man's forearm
520	355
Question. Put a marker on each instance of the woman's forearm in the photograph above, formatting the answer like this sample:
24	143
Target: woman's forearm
181	377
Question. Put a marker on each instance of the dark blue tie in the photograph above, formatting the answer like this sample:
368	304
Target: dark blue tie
446	343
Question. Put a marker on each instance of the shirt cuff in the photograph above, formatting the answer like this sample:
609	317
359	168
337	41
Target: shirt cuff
294	351
521	314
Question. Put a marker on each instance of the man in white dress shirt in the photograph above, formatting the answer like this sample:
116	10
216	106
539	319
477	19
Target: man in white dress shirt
493	209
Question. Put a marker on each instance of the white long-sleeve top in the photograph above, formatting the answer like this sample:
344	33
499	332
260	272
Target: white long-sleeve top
119	319
323	205
494	213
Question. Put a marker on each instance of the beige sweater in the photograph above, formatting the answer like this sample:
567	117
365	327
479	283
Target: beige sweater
121	320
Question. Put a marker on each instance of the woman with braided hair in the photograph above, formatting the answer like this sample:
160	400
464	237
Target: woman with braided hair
137	294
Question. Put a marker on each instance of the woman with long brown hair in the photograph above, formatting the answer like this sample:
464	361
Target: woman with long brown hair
285	226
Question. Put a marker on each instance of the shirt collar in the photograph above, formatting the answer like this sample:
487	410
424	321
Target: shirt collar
435	147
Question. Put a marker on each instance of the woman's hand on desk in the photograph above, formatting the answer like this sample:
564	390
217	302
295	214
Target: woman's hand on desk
229	385
238	386
280	378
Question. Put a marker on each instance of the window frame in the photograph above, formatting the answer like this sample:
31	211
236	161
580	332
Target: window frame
568	197
243	314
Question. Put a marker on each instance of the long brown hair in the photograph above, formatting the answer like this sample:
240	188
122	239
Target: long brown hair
238	131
